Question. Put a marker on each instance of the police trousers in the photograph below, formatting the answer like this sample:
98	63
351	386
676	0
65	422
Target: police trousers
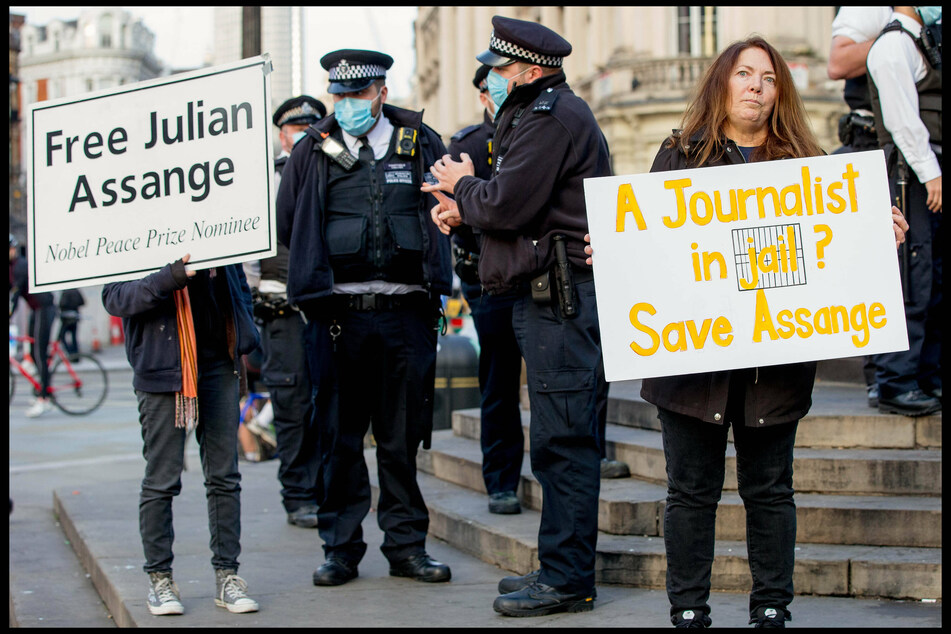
378	373
287	378
564	365
919	367
500	368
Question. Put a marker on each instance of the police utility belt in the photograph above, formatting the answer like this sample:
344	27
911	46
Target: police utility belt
466	265
855	126
271	306
380	301
557	285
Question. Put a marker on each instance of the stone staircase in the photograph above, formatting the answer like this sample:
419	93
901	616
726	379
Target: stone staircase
868	497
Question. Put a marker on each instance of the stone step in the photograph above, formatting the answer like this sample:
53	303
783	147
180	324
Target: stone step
631	506
460	517
839	418
838	471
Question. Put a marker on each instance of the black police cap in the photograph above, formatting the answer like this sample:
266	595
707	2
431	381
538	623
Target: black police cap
303	109
519	40
480	76
352	70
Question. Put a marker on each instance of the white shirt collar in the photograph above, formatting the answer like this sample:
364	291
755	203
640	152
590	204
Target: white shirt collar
378	137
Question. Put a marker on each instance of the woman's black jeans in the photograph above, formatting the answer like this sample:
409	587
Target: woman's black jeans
695	453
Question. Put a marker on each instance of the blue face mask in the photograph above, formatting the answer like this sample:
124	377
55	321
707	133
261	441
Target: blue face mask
355	116
498	87
297	137
929	15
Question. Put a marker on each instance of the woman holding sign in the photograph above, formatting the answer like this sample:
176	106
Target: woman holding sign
746	110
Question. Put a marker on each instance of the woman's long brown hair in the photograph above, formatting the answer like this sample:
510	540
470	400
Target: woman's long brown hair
788	131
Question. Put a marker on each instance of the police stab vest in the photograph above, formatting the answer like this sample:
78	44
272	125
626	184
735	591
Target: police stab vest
929	98
373	220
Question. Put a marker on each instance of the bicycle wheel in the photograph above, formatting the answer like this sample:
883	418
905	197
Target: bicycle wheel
80	386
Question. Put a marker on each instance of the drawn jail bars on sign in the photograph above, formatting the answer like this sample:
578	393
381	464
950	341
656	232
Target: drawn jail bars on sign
769	257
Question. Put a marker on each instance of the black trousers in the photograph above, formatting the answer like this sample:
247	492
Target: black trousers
695	456
288	382
500	369
565	373
919	367
378	374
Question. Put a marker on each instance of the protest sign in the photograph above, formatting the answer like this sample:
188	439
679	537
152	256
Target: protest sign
124	181
745	265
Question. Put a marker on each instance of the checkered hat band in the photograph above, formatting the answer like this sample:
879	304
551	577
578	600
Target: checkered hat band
348	72
508	49
296	112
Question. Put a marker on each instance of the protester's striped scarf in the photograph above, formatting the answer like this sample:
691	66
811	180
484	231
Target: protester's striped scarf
186	401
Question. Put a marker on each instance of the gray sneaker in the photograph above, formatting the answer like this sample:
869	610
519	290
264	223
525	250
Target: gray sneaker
164	597
231	591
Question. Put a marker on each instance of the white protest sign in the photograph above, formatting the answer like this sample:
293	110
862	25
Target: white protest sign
124	181
745	265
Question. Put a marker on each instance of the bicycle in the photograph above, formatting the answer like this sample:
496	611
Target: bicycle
78	383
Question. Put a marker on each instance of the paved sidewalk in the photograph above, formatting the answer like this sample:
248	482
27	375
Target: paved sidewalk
100	520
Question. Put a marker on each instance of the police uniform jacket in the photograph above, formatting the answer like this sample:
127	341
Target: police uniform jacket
547	142
774	394
301	204
474	140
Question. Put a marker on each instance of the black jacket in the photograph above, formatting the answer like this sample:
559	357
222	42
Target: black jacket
301	201
537	189
773	394
148	316
473	140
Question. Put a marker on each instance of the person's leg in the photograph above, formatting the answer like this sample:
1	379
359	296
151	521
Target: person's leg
563	359
163	449
402	419
500	367
285	373
42	326
344	395
764	473
217	435
694	452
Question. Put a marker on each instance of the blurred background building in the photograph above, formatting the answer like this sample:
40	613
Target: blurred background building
635	66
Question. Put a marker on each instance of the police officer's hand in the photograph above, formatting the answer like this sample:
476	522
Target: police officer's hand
448	172
188	272
588	250
934	194
446	213
900	225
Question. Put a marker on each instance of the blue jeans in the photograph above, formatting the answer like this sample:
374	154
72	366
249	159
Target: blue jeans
695	454
565	370
164	452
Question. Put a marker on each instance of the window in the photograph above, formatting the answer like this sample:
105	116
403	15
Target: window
697	31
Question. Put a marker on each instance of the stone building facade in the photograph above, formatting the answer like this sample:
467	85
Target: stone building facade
635	66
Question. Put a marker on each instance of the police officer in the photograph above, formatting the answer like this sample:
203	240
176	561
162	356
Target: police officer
853	31
904	66
367	268
532	217
500	362
284	370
